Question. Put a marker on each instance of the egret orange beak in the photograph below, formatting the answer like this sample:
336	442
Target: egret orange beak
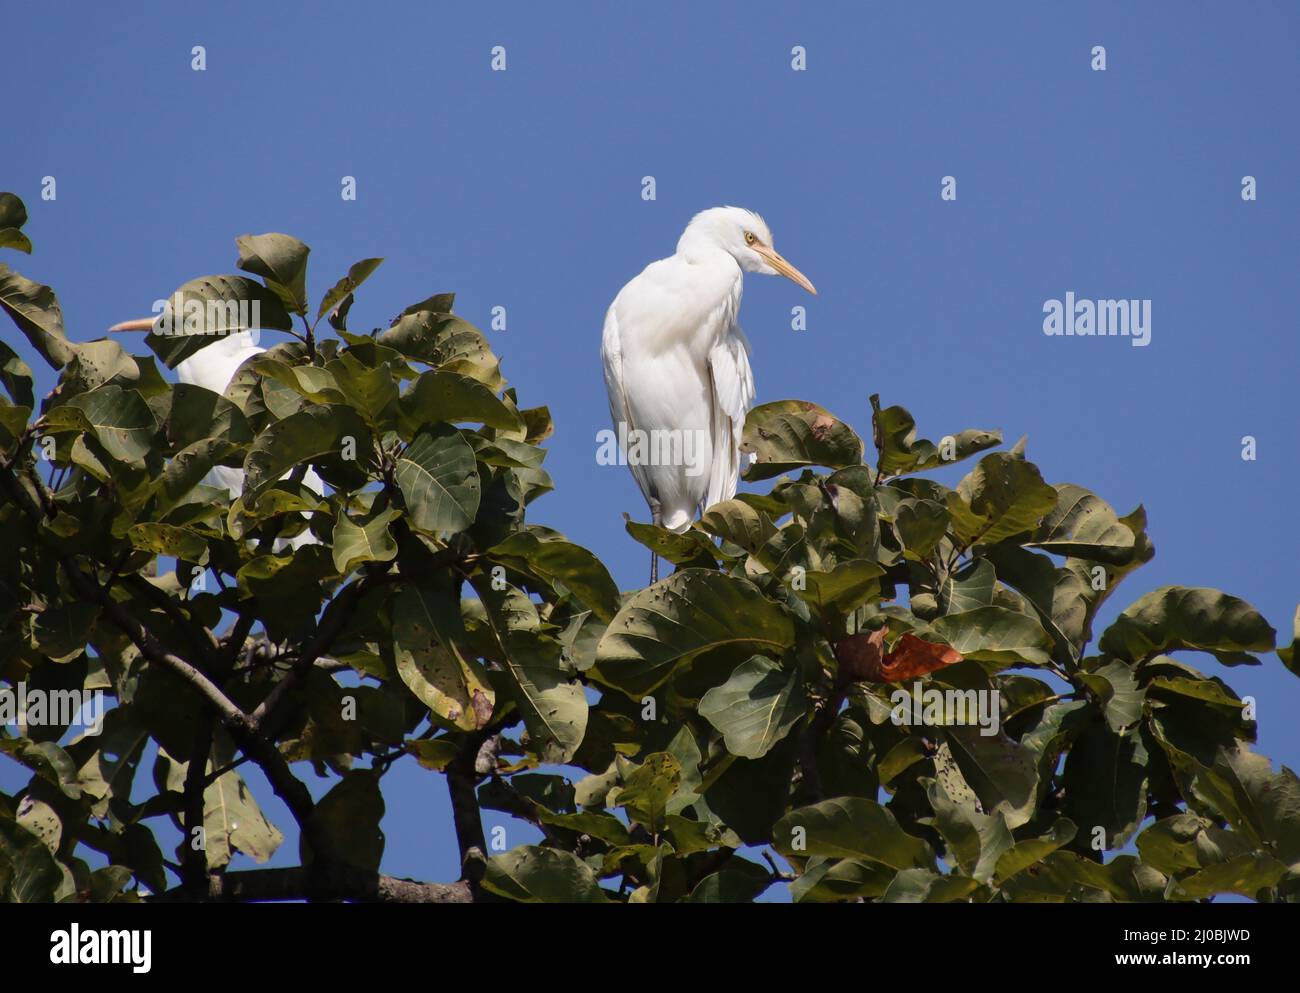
775	260
141	324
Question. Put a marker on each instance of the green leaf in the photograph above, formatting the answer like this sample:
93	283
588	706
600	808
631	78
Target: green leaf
533	874
198	414
13	215
288	588
1031	851
646	792
61	632
47	760
1064	876
12	422
13	212
371	541
1116	686
927	886
1002	772
739	523
28	872
845	588
96	363
1245	874
756	707
167	539
452	685
1105	783
35	309
282	261
553	705
1290	654
826	880
538	425
16	376
920	523
975	840
1210	691
210	307
556	560
1002	496
339	321
1062	598
1186	841
1267	802
1181	617
309	381
970	588
439	480
372	390
358	273
120	419
313	433
449	397
738	881
678	618
274	502
436	754
232	819
446	342
13	238
439	303
347	818
995	634
684	548
1084	525
850	827
789	434
899	452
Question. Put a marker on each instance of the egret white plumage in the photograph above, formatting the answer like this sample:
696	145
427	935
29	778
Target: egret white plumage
212	368
677	362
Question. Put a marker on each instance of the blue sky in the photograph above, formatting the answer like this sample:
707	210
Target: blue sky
523	189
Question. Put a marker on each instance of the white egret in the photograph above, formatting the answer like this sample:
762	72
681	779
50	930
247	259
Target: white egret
212	368
677	364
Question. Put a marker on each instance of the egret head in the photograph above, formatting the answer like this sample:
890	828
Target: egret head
745	237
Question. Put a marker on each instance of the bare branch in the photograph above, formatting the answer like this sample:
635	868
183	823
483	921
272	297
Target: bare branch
194	858
329	883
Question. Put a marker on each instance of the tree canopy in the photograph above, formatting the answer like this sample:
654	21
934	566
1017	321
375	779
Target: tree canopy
861	683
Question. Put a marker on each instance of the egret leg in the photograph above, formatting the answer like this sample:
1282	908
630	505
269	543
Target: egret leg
658	518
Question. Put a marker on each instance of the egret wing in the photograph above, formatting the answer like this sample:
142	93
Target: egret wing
733	395
611	353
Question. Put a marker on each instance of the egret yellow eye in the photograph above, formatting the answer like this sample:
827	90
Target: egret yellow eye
750	237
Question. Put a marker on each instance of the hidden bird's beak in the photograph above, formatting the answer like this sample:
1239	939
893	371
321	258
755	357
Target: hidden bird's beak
141	324
775	260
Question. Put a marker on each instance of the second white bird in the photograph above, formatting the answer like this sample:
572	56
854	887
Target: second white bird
677	362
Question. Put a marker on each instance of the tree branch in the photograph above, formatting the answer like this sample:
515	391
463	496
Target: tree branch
821	723
462	785
204	650
336	882
286	786
236	637
194	858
